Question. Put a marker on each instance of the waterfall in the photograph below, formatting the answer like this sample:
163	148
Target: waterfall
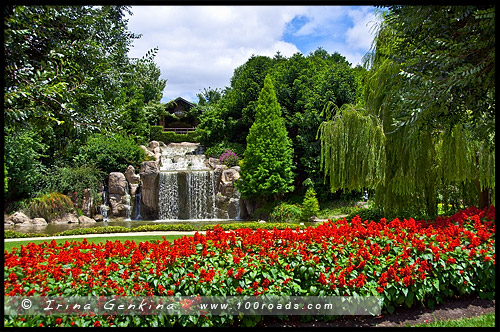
127	203
201	194
137	204
187	185
187	195
168	207
104	206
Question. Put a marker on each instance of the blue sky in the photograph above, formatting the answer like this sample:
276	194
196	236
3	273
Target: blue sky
200	46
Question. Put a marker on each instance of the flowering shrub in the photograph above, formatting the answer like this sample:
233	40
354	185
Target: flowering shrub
406	262
50	206
229	158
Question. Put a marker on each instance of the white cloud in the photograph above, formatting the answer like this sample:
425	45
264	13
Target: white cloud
199	47
360	36
204	45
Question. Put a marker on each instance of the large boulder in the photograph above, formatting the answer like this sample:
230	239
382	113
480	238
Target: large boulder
20	218
67	218
38	221
86	220
117	183
150	178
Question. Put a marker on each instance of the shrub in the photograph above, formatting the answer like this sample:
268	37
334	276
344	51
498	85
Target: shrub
229	158
219	148
285	212
310	205
14	235
94	230
110	153
50	206
74	180
371	213
167	227
157	134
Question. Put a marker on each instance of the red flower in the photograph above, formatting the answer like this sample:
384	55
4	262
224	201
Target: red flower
322	278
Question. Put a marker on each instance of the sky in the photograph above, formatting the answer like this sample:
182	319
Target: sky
199	47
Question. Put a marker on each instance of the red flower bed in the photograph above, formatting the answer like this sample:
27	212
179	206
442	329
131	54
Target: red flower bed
407	262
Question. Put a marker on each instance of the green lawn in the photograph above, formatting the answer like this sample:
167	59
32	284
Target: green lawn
9	245
487	320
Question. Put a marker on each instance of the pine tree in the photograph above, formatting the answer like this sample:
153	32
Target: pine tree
267	169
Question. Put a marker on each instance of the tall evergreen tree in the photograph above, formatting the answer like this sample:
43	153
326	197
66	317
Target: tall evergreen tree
267	167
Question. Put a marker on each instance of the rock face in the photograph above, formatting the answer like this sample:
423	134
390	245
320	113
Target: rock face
87	202
150	177
117	188
134	180
117	183
227	199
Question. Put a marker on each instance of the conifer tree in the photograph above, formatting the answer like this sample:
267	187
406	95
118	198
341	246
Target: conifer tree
267	167
310	205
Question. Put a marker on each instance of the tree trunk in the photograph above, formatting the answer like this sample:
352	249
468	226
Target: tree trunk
484	195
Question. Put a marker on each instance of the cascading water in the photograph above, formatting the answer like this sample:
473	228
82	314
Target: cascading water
104	206
137	204
186	185
128	208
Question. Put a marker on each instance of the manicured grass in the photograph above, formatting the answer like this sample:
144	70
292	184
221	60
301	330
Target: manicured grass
487	320
9	245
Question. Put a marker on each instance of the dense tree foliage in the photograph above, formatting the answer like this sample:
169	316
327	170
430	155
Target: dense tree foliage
267	169
431	86
68	75
303	85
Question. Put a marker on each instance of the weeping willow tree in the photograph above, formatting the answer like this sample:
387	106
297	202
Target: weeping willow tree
352	148
431	88
467	166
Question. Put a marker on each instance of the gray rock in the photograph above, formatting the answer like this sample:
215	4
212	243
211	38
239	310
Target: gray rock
117	208
150	178
87	202
68	218
85	220
20	218
117	183
230	175
146	150
153	145
38	221
130	175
